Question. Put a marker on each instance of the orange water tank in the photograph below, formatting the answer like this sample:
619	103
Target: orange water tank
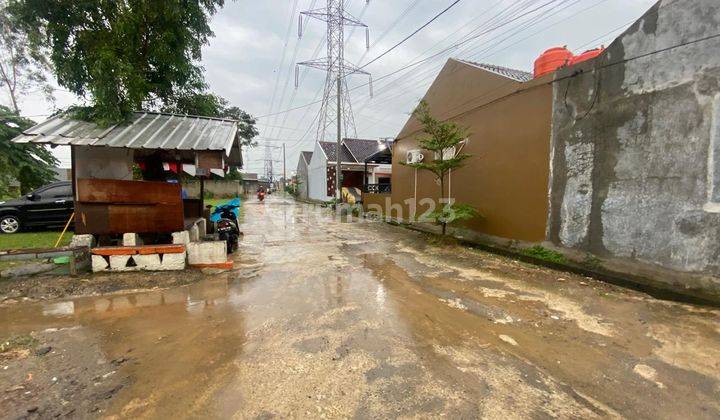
551	60
586	55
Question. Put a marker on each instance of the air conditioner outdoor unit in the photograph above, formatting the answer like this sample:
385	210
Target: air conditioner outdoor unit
414	156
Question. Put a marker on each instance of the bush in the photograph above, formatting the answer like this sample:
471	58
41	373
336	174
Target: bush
544	254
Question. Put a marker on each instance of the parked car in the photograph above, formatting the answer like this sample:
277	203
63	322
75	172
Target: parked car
48	206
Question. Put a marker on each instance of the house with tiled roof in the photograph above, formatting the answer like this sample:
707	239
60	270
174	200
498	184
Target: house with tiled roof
321	180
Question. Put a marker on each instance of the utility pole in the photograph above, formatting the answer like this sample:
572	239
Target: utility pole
284	175
337	69
338	146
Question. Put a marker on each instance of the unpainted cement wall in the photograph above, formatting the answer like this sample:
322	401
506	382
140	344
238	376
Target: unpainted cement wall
218	188
633	173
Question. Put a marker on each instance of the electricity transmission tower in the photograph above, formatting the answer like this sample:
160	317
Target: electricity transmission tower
268	168
336	108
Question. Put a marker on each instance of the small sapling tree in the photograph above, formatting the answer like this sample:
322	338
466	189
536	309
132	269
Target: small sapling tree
443	139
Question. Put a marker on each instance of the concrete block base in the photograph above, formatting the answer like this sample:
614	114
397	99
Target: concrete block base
202	227
149	262
173	262
194	233
83	240
120	263
131	239
207	252
181	238
99	263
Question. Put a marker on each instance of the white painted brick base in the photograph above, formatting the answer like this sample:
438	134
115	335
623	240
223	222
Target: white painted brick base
147	262
83	240
119	263
131	239
99	263
207	252
181	238
173	262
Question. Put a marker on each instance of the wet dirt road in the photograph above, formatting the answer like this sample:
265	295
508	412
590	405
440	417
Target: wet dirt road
325	318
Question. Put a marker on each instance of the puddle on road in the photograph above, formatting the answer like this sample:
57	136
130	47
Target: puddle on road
331	320
20	319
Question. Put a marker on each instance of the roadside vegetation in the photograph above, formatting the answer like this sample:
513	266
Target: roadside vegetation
545	254
444	139
24	240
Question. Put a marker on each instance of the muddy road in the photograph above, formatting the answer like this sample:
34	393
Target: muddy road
330	318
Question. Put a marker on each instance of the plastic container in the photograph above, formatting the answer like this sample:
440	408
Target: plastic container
587	55
551	60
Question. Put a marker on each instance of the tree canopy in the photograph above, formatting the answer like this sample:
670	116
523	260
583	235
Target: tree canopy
30	164
211	105
443	138
121	53
21	67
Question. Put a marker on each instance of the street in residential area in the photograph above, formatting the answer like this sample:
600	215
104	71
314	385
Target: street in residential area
329	317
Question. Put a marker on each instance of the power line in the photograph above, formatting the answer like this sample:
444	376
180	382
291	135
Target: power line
387	30
415	32
577	73
415	63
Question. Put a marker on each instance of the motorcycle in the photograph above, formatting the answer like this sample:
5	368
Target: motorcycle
227	227
261	195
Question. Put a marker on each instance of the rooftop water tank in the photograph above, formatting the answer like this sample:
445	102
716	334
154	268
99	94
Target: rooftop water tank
551	60
587	55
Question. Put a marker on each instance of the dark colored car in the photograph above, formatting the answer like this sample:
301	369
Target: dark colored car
48	206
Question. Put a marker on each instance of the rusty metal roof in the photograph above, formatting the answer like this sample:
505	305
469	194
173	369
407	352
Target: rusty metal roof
144	130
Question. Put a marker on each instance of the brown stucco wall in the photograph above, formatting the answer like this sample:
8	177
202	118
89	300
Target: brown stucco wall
373	202
506	178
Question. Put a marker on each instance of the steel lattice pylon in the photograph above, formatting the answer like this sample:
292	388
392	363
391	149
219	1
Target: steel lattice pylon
334	64
268	167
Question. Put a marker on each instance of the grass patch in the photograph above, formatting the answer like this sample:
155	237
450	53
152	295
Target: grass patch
23	240
18	342
441	240
544	254
592	262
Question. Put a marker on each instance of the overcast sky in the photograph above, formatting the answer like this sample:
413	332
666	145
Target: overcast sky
251	60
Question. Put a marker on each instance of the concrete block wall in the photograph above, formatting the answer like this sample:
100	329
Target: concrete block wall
214	252
149	262
633	159
217	188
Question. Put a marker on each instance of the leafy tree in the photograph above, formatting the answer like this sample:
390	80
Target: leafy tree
31	164
234	174
442	139
121	53
211	105
20	67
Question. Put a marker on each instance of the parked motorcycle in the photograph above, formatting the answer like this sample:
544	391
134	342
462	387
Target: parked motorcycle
227	227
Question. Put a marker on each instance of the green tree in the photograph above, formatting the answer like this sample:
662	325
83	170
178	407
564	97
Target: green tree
443	138
31	164
20	67
121	53
211	105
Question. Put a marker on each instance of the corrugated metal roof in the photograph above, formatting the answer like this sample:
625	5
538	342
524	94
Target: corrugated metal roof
517	75
145	130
